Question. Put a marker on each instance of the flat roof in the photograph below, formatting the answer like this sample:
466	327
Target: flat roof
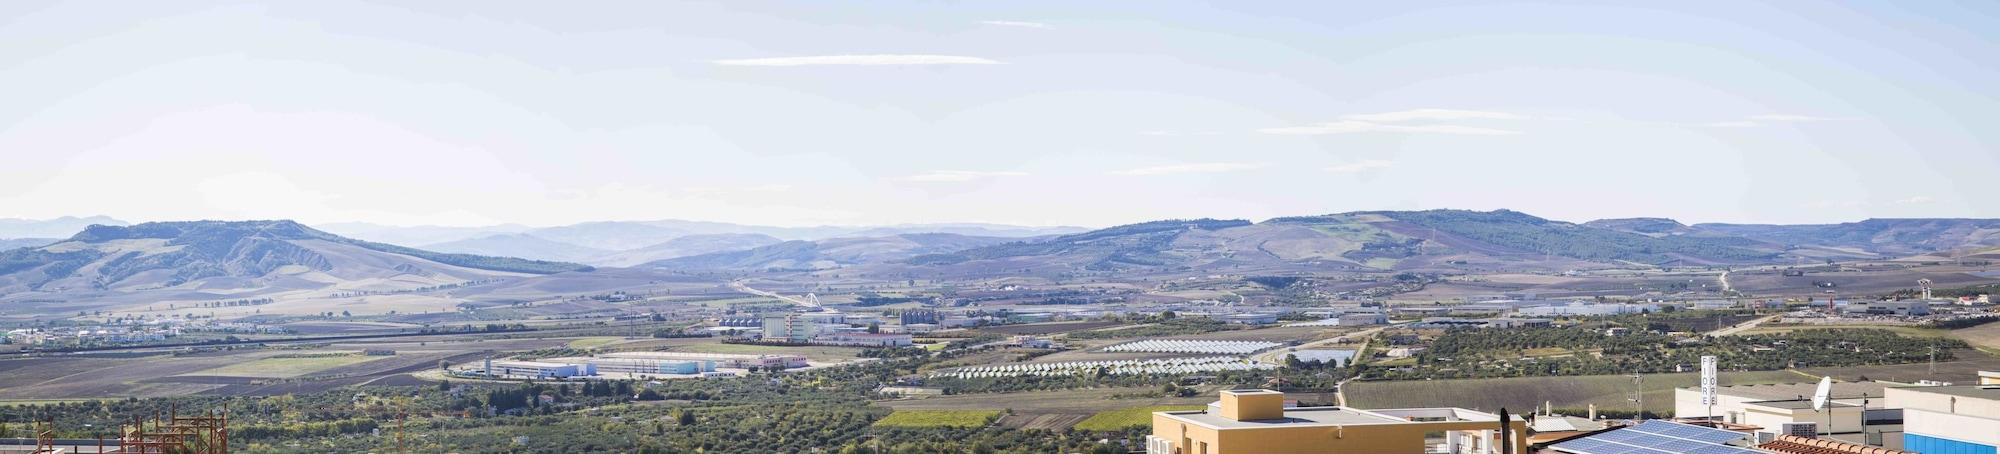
517	363
1293	416
1795	391
1973	391
1794	404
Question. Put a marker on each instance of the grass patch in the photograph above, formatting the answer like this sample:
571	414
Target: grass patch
1911	331
1544	351
594	342
286	367
1120	419
938	418
1568	392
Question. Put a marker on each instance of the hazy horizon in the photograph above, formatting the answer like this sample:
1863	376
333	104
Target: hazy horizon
1022	113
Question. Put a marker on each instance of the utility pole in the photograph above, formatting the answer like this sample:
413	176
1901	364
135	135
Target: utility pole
1639	396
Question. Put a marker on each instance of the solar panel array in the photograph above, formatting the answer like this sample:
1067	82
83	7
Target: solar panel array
1657	437
1193	346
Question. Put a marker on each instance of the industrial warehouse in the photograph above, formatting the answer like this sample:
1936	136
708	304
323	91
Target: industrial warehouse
634	365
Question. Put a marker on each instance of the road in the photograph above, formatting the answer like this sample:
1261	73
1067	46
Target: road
739	286
1277	356
1724	278
1740	327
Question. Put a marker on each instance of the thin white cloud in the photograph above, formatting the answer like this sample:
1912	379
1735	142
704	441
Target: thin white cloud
1837	204
1198	167
1352	127
1165	133
1915	200
958	176
722	191
1788	117
1016	23
1361	166
861	60
1760	120
1433	115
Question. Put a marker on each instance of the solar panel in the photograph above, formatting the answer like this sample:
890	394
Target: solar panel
1656	437
1688	431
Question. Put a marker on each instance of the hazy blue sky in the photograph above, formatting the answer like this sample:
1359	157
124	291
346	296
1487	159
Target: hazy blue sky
1061	112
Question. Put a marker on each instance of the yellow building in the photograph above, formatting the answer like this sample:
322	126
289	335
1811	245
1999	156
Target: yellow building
1256	422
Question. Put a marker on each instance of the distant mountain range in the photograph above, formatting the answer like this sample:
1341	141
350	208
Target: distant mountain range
249	254
240	256
830	253
1448	240
626	243
61	227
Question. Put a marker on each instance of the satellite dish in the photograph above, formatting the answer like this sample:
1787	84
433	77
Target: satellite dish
1824	392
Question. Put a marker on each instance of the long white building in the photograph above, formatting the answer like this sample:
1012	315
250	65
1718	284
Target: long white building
730	360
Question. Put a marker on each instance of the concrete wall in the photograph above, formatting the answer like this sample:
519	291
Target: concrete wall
1844	420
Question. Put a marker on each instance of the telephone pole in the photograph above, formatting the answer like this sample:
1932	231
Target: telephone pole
1639	396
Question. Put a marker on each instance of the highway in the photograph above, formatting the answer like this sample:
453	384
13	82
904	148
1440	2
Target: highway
1740	327
739	286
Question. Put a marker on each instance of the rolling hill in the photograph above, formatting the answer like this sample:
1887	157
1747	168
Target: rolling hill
685	246
523	245
829	253
1434	240
247	255
1653	227
16	243
1891	237
1520	232
61	227
1143	244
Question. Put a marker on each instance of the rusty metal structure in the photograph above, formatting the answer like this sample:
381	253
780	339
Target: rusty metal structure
45	437
171	433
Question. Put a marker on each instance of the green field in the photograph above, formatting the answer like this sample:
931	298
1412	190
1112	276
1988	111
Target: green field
286	367
1116	420
1912	331
1608	392
594	342
938	418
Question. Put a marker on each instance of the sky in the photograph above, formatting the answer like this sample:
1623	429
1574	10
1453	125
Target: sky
1018	112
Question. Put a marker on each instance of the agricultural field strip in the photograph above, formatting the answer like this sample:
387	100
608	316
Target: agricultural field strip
938	418
1120	419
1149	366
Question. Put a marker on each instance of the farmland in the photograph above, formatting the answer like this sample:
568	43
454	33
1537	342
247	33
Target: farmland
286	366
1574	393
1048	328
1965	369
1123	418
938	418
1053	410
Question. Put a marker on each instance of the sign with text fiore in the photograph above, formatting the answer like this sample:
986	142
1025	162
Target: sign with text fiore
1708	380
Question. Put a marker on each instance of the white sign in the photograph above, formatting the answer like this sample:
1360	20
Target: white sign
1708	380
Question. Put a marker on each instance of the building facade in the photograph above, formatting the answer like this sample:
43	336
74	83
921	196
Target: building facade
1257	422
1949	419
